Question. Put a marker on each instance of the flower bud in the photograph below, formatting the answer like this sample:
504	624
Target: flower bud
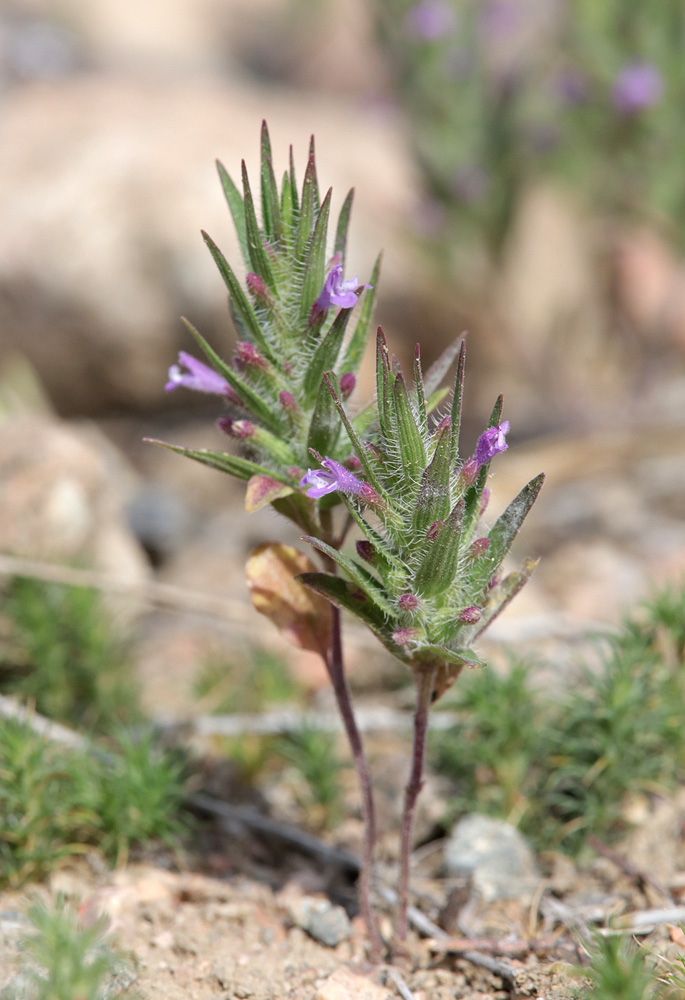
408	602
470	615
469	470
347	384
403	636
240	429
366	551
478	548
287	400
247	356
434	531
258	288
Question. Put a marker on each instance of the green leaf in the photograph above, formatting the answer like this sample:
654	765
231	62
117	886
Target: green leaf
326	354
255	246
433	501
294	197
331	381
287	208
438	567
457	404
241	468
361	577
410	443
252	401
441	366
347	595
357	343
506	528
496	415
420	392
506	591
314	181
340	245
314	273
271	212
324	428
384	379
237	209
239	301
308	208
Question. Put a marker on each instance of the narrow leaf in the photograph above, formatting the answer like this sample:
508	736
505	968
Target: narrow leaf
239	300
308	209
386	411
361	577
255	246
324	428
506	591
420	392
287	211
241	468
251	400
507	525
326	354
340	245
271	209
315	268
433	500
357	343
439	565
315	183
441	366
302	616
237	209
457	404
294	197
410	442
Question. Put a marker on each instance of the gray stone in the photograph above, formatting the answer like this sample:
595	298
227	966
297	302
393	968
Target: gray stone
496	857
326	923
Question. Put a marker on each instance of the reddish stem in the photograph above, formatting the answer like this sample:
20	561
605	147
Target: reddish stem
424	691
336	672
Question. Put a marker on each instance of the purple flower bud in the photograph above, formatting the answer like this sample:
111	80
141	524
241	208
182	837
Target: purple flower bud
434	531
258	287
491	443
469	470
287	400
638	86
484	500
332	477
408	602
240	429
470	615
199	377
478	548
337	292
347	384
403	636
430	20
247	356
353	463
366	551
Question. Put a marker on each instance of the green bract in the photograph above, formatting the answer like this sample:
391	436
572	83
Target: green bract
427	582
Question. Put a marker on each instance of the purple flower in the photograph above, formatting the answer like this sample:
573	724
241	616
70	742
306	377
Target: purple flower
499	18
491	443
337	292
430	20
637	86
199	377
332	477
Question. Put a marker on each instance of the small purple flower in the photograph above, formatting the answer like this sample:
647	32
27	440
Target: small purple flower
199	377
638	86
332	477
430	20
337	292
491	443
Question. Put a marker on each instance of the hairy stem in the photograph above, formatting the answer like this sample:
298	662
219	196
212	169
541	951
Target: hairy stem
424	690
336	671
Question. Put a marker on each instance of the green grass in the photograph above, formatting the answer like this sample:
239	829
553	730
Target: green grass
255	682
55	802
563	768
65	961
59	651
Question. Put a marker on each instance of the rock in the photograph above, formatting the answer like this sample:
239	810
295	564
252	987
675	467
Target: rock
346	985
496	857
121	172
326	923
62	493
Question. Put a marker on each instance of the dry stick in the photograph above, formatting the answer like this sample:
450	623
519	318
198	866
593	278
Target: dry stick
641	877
424	690
336	672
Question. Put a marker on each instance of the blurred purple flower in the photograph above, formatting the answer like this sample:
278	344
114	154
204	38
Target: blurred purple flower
470	183
499	17
638	86
199	377
491	443
337	292
332	477
430	20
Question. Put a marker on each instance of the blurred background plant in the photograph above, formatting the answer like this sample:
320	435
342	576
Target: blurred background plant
500	94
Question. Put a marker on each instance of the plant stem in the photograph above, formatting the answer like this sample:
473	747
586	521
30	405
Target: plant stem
424	690
336	672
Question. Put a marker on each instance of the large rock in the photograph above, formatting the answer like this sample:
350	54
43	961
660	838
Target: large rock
108	182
